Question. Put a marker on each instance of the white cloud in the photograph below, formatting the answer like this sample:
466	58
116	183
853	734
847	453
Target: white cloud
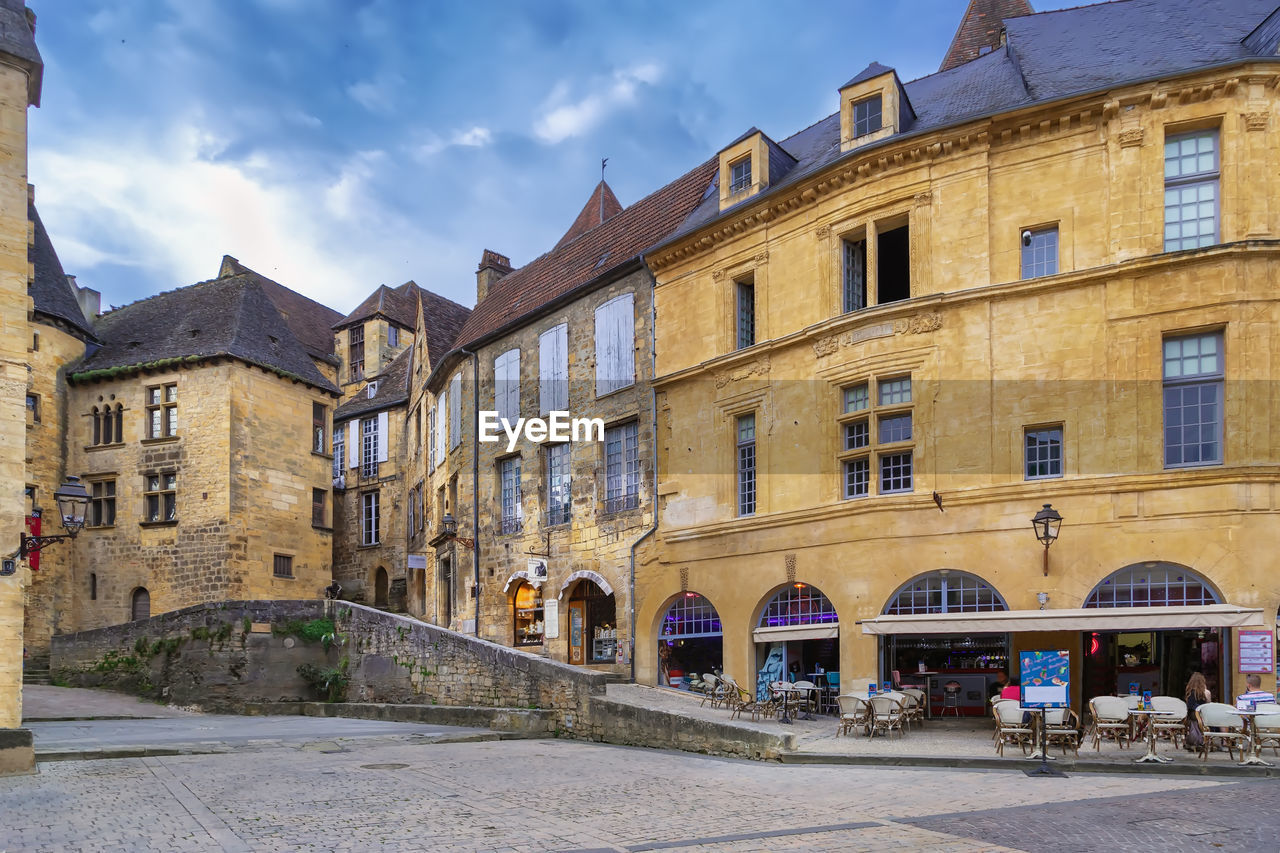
563	120
432	143
378	94
476	137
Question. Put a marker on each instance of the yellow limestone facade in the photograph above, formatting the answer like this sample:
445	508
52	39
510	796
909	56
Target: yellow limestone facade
989	355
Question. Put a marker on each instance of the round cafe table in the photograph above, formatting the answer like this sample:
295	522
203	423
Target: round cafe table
1151	757
1255	751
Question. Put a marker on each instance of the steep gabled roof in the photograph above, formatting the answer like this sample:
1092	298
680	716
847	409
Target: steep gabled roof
591	256
393	390
232	316
51	292
979	31
310	322
443	319
397	304
602	205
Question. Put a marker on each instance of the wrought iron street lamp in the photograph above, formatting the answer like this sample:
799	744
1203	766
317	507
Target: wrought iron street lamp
449	533
73	502
1046	523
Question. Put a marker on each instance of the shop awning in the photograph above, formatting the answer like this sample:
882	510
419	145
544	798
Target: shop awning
524	575
1082	619
797	632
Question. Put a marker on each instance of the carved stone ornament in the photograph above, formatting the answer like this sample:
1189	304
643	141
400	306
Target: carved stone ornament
822	232
717	275
1131	138
684	579
918	325
789	560
762	259
826	346
1255	121
923	199
759	367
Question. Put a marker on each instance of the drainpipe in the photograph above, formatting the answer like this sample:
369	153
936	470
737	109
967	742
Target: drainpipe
475	481
653	425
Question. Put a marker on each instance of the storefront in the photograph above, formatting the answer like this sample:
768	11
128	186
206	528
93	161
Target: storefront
691	641
592	619
797	637
527	615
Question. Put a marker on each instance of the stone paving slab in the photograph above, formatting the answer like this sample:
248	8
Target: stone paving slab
43	702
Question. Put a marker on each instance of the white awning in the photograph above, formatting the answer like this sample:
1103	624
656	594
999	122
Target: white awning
594	577
1080	619
796	632
523	575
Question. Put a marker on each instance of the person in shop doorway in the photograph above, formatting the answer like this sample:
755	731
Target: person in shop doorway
998	685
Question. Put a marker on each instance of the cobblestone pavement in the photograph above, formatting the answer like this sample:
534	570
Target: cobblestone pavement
572	796
45	702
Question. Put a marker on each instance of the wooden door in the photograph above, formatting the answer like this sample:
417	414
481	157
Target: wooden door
577	632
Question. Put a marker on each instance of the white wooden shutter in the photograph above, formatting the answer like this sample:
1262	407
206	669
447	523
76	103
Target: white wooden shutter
382	436
353	443
506	385
615	344
455	410
553	369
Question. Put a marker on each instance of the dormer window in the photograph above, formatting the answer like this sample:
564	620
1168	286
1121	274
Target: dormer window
393	337
371	389
866	116
740	176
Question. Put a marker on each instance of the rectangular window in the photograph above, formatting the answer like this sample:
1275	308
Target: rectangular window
615	344
895	392
1043	453
162	411
1190	190
854	296
862	447
369	447
282	566
318	501
370	520
559	496
893	265
895	472
355	352
857	478
432	441
455	410
740	176
866	116
895	428
622	467
339	449
319	428
746	452
160	497
393	336
857	435
1040	252
102	503
506	385
746	313
33	406
1193	380
509	485
553	369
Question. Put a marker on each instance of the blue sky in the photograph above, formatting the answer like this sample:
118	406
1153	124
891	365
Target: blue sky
336	145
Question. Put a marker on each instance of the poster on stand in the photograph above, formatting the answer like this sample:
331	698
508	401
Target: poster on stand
1046	679
1256	651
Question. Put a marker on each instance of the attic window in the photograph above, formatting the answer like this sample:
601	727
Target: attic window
740	176
371	389
866	116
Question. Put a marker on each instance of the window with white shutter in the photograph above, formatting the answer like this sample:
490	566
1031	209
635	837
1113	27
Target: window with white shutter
353	443
506	386
553	370
382	437
615	345
431	439
455	410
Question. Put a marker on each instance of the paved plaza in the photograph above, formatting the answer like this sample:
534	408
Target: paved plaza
534	795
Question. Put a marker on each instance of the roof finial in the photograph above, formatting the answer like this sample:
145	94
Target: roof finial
603	161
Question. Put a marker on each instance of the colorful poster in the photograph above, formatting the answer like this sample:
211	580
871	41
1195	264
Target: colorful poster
1046	679
1256	651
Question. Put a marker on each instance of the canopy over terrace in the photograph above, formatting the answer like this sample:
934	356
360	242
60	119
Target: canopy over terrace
1080	619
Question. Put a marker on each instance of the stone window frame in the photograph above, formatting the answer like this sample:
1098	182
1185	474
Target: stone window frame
319	428
559	483
370	519
863	117
164	493
744	311
355	352
33	406
1035	258
1043	452
870	426
746	480
1199	381
339	450
393	335
106	428
865	226
510	495
161	410
282	566
100	501
1198	179
740	175
319	508
621	468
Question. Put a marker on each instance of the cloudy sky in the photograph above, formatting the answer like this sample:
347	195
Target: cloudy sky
335	145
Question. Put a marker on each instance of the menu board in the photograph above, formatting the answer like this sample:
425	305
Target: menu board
1256	651
1046	679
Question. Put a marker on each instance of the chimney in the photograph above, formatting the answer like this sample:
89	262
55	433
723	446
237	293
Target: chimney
90	300
492	267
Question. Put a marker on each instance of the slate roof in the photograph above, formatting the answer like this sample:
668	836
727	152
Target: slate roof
602	205
310	322
980	29
594	254
443	317
18	40
393	390
233	316
1049	56
51	293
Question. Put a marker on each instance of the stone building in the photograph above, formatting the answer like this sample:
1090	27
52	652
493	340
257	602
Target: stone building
378	504
201	425
553	522
1046	275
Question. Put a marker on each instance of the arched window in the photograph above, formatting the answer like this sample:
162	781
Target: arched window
119	435
97	426
690	615
945	591
1152	585
108	424
140	605
798	604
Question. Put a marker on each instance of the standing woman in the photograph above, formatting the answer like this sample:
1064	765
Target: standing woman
1197	694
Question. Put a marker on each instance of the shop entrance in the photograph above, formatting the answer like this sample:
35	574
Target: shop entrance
797	639
593	631
690	641
1159	661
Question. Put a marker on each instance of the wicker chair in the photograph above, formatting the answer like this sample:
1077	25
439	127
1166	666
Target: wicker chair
1267	724
740	701
855	713
1172	727
806	702
1062	726
1109	720
914	706
1010	728
710	687
1230	728
886	715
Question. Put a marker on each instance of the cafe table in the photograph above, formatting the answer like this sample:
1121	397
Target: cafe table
1255	750
1151	757
789	693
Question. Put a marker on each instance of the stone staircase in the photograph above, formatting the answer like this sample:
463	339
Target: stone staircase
36	673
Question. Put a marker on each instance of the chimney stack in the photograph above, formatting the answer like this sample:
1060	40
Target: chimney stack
90	300
492	267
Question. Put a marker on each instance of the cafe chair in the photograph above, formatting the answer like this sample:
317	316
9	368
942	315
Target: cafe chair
1230	729
1267	725
855	713
806	702
1062	726
886	715
913	706
1010	729
1173	727
1109	720
950	698
830	693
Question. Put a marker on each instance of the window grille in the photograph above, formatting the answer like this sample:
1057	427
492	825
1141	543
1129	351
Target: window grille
798	604
690	615
1193	380
953	592
1152	585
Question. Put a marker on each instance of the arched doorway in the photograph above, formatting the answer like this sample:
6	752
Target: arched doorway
527	615
932	661
797	636
380	584
690	640
1157	660
140	604
593	625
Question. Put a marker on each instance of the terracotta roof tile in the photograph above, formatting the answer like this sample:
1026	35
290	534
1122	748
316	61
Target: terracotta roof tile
603	205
